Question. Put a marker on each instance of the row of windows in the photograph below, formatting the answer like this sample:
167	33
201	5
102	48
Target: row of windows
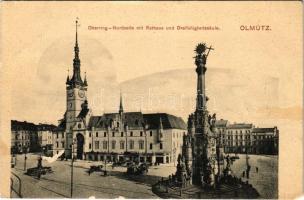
25	137
141	145
238	136
62	134
248	137
178	135
236	131
62	144
122	134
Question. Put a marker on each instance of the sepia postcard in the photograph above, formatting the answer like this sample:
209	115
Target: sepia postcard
149	100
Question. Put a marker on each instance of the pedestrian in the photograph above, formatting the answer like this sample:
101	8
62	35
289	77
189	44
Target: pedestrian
247	173
257	169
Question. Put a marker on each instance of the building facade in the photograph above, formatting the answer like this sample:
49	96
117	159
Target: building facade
45	137
265	140
29	137
246	138
21	136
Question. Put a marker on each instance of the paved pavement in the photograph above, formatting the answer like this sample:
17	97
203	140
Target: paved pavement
266	179
118	184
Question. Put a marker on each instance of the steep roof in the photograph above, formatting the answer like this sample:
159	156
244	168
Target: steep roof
168	121
239	126
83	113
132	119
135	120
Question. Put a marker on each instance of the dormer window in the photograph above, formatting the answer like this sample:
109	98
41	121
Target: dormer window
79	125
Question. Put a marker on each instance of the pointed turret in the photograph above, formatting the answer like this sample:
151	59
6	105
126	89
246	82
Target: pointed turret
120	105
68	79
85	83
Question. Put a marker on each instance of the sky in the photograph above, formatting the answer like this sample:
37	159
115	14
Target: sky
252	76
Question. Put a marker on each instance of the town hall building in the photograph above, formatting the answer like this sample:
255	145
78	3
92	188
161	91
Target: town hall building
154	137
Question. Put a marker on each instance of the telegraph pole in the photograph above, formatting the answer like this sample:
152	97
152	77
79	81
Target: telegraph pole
25	158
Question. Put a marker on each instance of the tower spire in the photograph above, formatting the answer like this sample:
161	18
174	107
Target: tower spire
120	104
76	78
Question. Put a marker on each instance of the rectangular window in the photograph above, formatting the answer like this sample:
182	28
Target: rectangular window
113	134
131	134
90	134
96	144
151	146
62	134
141	144
105	134
121	134
122	145
62	144
96	134
113	144
160	145
141	133
105	144
90	145
150	133
57	144
56	135
131	144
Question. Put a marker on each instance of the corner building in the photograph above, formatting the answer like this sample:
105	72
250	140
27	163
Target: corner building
154	137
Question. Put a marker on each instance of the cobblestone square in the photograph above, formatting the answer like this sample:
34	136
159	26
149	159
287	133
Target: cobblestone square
119	184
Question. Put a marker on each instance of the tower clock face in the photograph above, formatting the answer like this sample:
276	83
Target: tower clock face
81	93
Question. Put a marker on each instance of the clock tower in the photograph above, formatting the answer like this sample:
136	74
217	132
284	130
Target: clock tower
76	90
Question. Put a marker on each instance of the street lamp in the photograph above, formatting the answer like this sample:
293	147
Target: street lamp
25	157
145	127
72	162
